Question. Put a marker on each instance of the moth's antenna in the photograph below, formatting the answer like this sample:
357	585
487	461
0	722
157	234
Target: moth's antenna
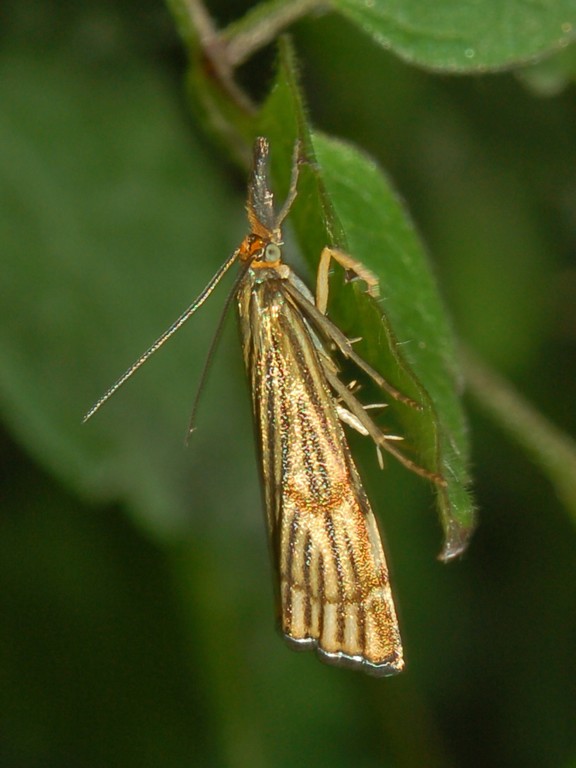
186	315
212	349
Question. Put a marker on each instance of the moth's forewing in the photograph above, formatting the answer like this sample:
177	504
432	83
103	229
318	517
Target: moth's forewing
334	591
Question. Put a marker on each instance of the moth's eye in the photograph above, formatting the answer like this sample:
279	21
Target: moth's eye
272	252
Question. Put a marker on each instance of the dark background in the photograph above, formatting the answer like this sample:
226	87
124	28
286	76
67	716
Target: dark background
135	594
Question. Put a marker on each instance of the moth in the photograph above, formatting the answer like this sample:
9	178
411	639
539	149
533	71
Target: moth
333	587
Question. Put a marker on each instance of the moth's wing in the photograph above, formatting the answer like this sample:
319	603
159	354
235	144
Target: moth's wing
334	591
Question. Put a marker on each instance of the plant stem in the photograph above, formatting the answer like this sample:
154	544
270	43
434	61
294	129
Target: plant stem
225	50
552	449
262	25
197	27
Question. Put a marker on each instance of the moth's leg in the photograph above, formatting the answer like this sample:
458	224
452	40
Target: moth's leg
361	421
350	265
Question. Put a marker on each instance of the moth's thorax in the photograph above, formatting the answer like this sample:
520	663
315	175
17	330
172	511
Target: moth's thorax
260	293
262	273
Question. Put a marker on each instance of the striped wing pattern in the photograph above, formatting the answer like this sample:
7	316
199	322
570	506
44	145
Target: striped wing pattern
334	591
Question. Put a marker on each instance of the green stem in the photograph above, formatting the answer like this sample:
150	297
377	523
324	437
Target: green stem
222	51
552	449
262	25
199	32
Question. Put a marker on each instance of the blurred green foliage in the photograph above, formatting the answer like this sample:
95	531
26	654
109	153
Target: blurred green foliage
136	600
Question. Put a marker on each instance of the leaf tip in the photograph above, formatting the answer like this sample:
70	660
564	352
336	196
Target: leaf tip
456	540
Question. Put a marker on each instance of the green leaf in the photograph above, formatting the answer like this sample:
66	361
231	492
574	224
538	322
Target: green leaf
418	334
465	36
106	236
345	200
